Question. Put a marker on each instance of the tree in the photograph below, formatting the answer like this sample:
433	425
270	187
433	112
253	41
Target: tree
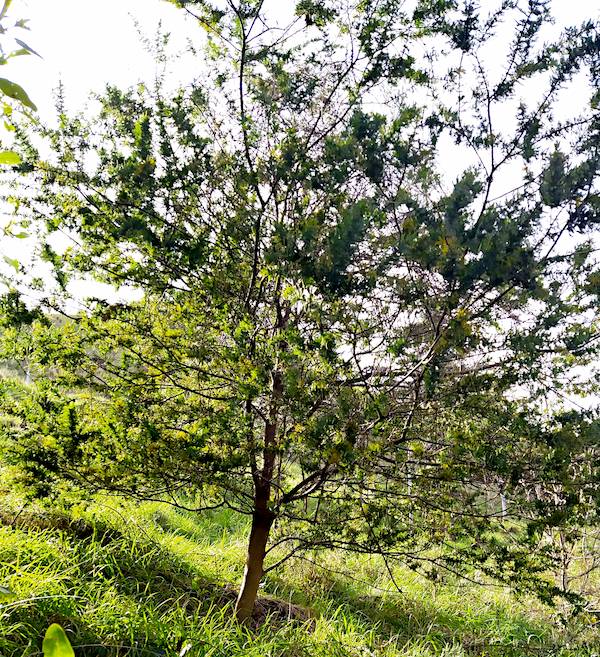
325	329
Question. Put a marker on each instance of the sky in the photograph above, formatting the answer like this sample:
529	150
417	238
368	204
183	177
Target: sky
86	44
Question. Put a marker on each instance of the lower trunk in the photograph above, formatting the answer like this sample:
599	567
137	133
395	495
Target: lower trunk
253	572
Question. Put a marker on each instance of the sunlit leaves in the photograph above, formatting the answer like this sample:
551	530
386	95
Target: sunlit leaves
5	8
15	91
306	259
13	262
9	157
56	643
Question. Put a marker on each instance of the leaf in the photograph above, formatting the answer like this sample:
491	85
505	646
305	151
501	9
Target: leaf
29	48
7	4
12	262
16	91
18	53
9	157
6	592
56	644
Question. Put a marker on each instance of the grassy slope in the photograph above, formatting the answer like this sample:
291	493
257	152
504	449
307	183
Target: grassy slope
151	581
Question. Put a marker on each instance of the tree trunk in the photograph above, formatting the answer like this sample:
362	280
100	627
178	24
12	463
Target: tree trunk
253	572
263	517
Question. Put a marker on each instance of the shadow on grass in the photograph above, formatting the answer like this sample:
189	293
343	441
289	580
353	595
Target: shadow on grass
109	562
494	630
155	586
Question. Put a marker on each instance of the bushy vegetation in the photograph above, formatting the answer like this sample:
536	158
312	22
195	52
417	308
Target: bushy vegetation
151	580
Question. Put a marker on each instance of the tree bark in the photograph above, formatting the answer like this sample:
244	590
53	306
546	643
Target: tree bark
253	572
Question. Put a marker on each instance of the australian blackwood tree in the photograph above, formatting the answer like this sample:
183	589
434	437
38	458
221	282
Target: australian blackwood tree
360	285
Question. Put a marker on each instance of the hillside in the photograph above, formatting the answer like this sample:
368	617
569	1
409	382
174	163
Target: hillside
149	580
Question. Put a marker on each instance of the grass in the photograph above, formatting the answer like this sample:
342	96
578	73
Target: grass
149	580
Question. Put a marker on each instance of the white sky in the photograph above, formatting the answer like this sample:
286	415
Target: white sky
88	43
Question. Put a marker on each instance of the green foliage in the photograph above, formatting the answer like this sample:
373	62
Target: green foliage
15	91
8	88
315	13
9	157
14	311
324	330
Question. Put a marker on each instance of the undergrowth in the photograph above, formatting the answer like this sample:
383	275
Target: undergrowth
151	580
